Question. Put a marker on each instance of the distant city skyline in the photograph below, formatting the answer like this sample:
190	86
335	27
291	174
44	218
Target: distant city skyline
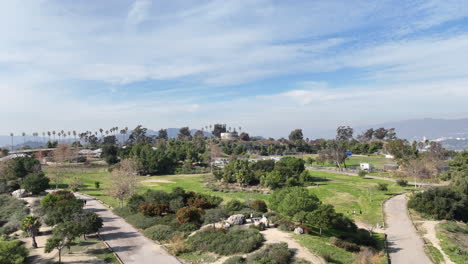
268	66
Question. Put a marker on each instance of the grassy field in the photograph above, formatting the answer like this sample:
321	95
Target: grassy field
453	238
94	247
348	193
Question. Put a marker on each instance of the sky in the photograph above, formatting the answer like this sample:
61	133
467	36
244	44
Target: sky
268	66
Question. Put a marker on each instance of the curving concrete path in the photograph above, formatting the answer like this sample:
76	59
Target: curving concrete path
405	245
131	246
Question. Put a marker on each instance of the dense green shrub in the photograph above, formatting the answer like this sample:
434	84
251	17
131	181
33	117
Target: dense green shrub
402	183
233	241
214	215
159	232
12	252
273	254
362	173
12	212
140	221
441	203
36	183
293	200
382	186
259	206
123	211
234	205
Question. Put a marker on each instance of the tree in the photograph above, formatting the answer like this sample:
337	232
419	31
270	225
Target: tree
109	140
401	150
199	134
61	206
63	153
218	129
62	236
109	153
19	167
123	184
344	133
322	217
293	200
162	134
138	135
296	134
57	174
367	135
184	133
335	152
380	133
36	183
31	225
90	223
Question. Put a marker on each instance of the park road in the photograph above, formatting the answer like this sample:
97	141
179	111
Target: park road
405	245
131	246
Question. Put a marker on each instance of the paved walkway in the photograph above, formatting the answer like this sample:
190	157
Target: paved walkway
131	246
405	245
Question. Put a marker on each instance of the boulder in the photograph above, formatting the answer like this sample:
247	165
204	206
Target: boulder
238	219
20	193
299	230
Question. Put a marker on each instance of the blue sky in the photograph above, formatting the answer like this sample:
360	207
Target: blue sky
268	66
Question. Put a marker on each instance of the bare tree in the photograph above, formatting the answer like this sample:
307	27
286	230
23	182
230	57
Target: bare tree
124	181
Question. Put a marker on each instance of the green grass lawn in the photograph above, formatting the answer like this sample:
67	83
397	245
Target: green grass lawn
348	193
453	238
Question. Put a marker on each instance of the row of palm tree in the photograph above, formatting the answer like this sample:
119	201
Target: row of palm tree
63	135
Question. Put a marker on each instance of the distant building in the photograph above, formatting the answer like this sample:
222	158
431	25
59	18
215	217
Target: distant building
388	156
229	135
12	156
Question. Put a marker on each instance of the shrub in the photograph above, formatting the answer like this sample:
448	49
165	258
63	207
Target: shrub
441	203
36	183
12	211
153	209
12	252
348	246
140	221
362	173
382	186
188	227
272	253
214	215
159	232
135	201
123	211
259	227
402	182
189	214
178	244
234	205
233	241
235	260
97	184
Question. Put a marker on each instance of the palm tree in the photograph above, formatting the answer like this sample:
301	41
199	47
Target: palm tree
53	133
31	225
24	138
48	134
101	130
43	137
74	134
11	135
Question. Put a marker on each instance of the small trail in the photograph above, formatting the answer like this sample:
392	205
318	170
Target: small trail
430	228
405	245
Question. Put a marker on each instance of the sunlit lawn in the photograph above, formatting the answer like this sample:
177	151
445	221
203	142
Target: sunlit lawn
348	193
